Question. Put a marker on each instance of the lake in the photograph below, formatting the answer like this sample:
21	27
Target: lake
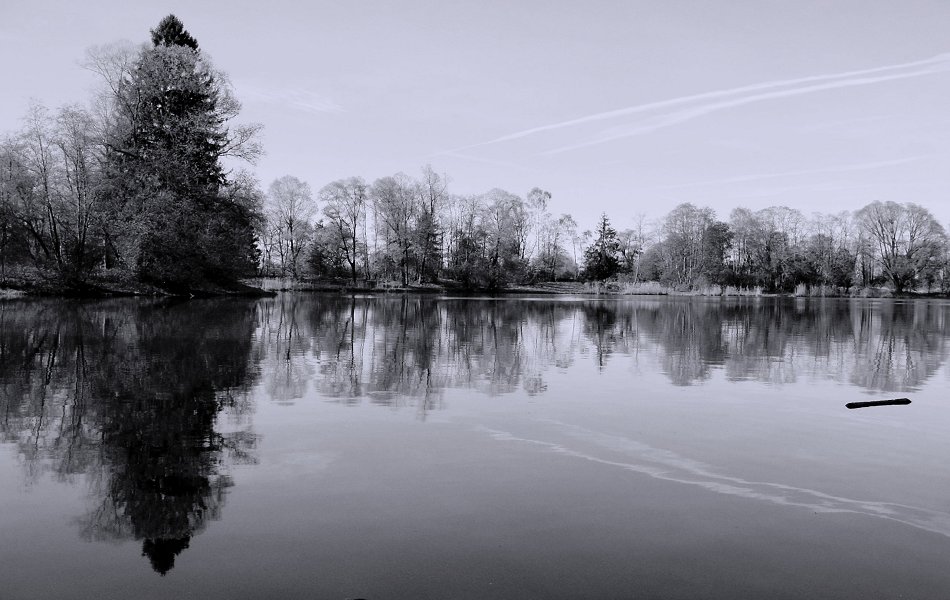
323	446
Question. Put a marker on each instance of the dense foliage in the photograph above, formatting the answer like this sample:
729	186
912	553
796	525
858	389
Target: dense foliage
602	257
138	188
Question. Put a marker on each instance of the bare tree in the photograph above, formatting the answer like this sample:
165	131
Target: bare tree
433	197
906	239
568	228
504	220
684	230
393	201
539	224
344	204
291	211
74	138
37	155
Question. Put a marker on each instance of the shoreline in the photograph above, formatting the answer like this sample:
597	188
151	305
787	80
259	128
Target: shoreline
269	287
119	289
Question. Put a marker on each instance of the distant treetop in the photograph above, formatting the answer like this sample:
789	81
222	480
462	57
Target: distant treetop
171	32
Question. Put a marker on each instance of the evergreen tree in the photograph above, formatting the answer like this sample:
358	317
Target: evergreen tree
171	32
181	222
602	257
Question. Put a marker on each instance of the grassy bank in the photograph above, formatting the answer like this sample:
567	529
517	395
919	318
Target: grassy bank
566	288
33	282
36	283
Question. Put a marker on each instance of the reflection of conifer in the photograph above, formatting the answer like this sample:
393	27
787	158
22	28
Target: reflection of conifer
164	454
159	430
130	393
162	553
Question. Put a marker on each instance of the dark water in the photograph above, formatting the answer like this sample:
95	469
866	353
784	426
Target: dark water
326	447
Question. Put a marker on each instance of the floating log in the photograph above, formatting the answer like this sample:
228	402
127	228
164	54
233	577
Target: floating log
897	401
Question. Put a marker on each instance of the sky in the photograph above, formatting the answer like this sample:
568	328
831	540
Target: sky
625	107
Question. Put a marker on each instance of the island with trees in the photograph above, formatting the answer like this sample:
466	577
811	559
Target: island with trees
142	192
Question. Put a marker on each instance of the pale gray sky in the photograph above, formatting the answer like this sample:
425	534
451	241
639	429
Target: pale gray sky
625	107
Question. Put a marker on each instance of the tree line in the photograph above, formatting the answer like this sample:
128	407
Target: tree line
141	186
413	230
780	249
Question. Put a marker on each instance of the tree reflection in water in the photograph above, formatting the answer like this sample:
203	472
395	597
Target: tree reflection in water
130	394
148	400
408	350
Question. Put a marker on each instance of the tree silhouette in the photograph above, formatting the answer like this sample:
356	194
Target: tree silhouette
171	32
602	257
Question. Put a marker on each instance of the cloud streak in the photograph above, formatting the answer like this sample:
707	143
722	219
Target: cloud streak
723	99
681	116
868	166
296	98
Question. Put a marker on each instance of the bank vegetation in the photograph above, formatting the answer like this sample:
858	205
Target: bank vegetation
142	190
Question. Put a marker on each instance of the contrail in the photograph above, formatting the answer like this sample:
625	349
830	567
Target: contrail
940	61
760	176
691	113
298	98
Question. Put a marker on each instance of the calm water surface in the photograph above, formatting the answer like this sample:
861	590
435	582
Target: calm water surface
314	446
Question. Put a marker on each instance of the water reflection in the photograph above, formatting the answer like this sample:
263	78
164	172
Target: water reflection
147	402
129	394
637	457
409	350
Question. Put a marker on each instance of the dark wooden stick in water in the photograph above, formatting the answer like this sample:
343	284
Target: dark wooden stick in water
897	401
